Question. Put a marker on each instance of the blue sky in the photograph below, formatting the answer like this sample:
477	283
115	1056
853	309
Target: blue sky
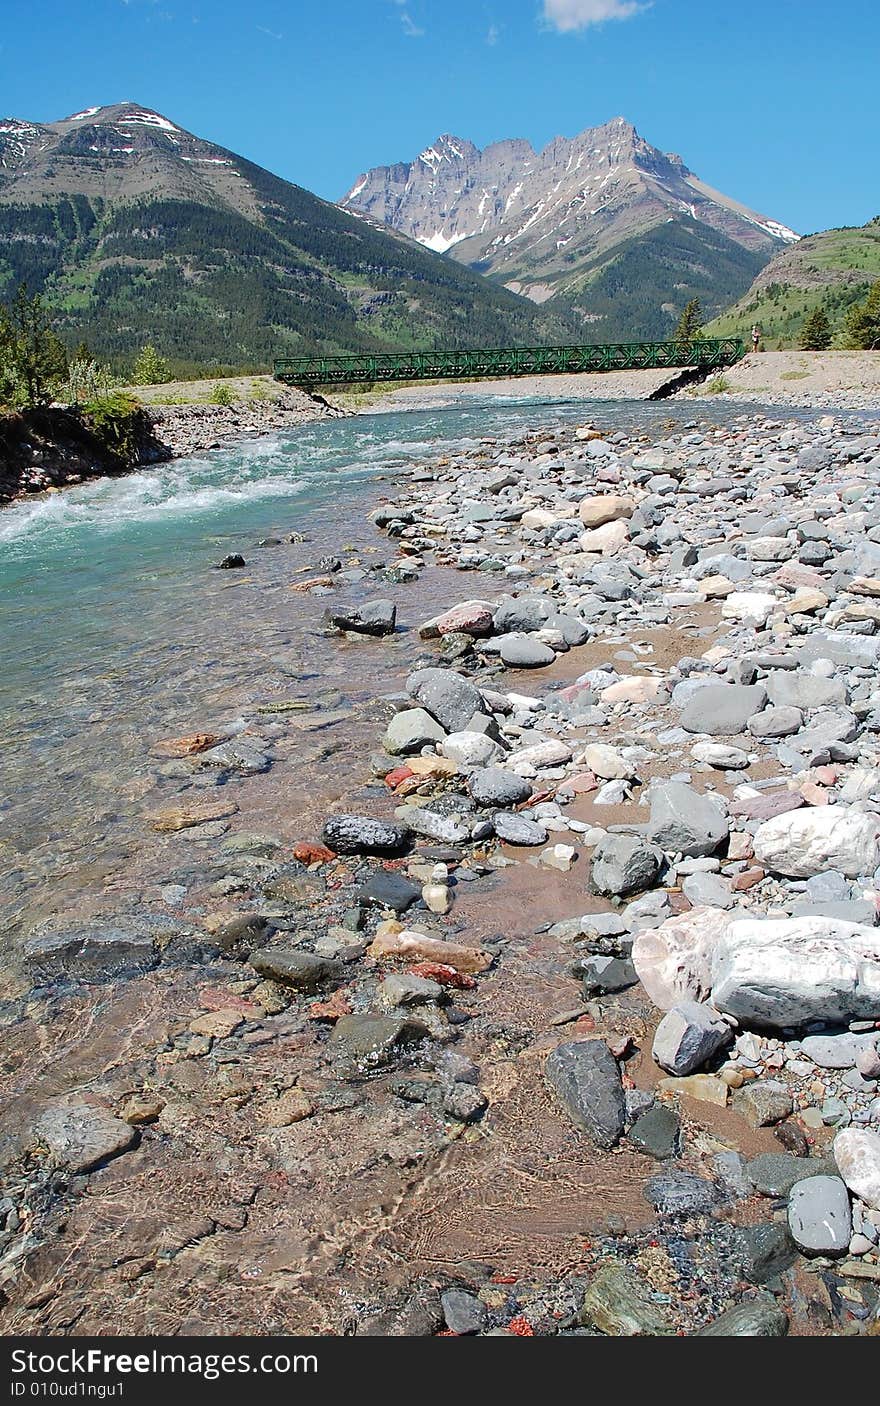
775	102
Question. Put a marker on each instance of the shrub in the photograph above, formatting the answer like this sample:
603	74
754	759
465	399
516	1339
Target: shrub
117	422
221	395
150	369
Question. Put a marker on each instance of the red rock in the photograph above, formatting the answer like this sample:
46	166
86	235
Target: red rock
747	879
446	976
185	746
825	775
619	1045
311	583
470	618
214	998
398	774
581	784
332	1010
308	853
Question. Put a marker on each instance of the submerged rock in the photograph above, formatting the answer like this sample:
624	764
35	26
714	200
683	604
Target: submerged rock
361	834
586	1080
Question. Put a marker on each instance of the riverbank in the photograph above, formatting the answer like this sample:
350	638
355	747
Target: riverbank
831	380
47	450
402	1071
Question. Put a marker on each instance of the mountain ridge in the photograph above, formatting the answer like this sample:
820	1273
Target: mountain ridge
138	230
549	223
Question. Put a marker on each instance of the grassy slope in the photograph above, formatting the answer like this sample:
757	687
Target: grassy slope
833	270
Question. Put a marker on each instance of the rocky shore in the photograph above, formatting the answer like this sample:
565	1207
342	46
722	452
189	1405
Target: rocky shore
567	1021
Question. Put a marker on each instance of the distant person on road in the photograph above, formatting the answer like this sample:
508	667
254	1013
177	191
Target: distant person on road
756	337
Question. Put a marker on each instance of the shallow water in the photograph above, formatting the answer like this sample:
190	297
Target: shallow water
114	631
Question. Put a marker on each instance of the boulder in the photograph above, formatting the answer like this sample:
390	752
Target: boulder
722	709
656	1132
621	1305
607	762
685	822
410	731
80	1135
523	614
587	1082
605	507
375	617
763	1102
361	834
753	1318
518	830
446	695
521	652
788	971
469	748
413	946
290	966
688	1036
493	786
471	617
819	1216
796	688
365	1042
623	864
817	838
672	960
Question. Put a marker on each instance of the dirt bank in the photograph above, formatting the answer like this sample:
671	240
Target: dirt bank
836	379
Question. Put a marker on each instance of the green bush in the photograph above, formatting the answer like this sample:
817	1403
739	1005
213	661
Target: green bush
221	395
117	422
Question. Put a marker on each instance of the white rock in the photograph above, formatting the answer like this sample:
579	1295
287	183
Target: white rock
717	755
810	841
857	1154
549	751
470	748
672	960
788	971
748	607
607	539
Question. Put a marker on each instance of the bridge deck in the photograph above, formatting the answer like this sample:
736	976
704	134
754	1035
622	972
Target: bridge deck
358	369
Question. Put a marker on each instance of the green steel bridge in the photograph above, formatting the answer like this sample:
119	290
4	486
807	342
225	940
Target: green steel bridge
360	369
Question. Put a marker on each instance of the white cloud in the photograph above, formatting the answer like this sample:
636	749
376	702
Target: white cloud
570	15
408	24
410	28
493	35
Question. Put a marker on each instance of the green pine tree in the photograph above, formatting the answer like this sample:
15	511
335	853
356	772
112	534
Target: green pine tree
34	362
862	326
150	369
690	323
816	331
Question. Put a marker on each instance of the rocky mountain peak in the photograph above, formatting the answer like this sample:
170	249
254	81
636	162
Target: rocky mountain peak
511	210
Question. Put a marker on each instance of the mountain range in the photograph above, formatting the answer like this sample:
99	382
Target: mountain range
603	223
136	230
